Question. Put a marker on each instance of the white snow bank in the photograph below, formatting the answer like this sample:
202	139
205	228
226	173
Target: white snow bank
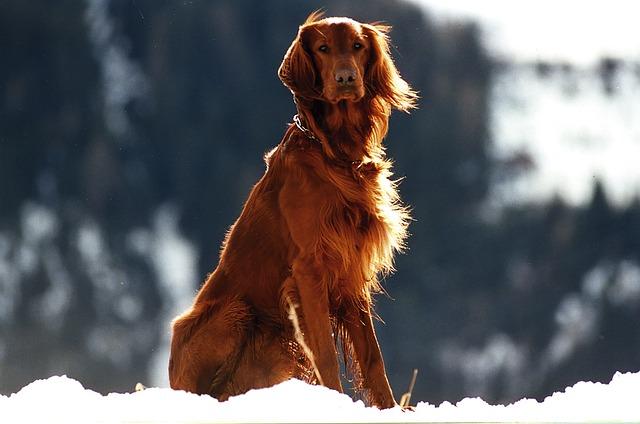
64	400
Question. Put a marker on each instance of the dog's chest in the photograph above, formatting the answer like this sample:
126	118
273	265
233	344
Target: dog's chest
347	217
353	234
353	204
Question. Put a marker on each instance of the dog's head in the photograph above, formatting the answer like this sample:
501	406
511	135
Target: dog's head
335	59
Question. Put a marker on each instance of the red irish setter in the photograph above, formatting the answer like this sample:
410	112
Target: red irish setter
298	268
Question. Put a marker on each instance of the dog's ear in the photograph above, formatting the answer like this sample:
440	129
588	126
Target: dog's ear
297	70
382	78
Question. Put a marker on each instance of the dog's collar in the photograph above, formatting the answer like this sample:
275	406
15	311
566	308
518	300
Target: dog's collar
354	165
306	131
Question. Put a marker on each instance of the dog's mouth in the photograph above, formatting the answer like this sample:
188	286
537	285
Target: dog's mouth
338	94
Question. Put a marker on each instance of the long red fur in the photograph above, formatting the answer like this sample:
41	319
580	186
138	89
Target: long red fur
317	231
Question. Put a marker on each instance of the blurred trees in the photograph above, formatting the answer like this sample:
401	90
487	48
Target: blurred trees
519	305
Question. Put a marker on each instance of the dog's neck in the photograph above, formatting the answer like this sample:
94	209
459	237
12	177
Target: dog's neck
349	131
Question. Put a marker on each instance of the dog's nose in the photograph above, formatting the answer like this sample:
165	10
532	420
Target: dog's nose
345	76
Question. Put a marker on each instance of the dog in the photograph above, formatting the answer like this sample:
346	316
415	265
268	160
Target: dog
298	268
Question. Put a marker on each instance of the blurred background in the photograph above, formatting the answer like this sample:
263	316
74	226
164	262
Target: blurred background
131	132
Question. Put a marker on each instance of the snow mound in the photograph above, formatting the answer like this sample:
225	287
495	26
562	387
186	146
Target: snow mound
64	400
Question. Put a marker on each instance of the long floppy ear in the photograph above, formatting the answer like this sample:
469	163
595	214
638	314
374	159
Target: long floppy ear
297	71
382	78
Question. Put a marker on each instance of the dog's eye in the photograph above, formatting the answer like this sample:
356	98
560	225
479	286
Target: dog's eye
323	48
357	46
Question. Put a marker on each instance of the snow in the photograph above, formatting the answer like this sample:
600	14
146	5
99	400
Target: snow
61	399
550	30
573	130
122	78
174	260
570	128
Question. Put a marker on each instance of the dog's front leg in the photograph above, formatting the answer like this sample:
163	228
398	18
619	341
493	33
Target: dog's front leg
313	312
359	325
303	204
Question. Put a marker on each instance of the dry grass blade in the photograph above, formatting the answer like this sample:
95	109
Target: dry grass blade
406	398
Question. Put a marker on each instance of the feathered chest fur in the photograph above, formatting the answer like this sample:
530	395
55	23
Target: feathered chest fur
359	220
